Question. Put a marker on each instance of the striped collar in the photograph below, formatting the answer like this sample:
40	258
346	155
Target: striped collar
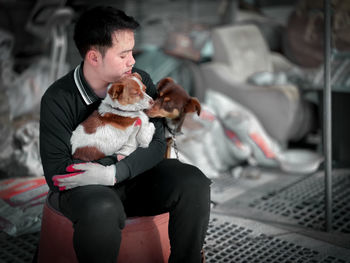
84	88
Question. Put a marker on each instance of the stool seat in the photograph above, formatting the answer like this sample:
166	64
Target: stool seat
144	239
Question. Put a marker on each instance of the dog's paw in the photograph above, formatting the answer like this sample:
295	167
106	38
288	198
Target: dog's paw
151	129
145	135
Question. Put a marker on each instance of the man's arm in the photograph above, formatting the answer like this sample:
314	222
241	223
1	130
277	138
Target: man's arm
55	132
59	115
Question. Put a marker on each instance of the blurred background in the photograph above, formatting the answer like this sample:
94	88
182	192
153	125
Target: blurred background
257	66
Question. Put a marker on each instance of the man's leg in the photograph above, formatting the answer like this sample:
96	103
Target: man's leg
184	191
98	217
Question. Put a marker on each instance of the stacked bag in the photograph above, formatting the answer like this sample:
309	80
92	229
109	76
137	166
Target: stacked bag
227	135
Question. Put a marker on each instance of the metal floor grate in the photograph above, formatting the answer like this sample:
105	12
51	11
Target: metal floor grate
303	202
19	249
229	242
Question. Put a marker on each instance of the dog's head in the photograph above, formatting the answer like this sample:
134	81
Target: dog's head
129	94
173	101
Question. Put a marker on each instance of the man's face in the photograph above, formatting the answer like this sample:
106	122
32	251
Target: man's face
118	60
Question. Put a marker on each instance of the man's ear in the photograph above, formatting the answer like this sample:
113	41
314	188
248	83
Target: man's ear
163	82
115	90
193	105
92	56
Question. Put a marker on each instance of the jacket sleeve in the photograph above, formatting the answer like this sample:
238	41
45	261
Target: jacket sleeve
143	159
55	132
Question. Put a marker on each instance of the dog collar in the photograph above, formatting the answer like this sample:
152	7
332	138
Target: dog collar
104	108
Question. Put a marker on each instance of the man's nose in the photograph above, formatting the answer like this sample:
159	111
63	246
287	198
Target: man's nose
131	60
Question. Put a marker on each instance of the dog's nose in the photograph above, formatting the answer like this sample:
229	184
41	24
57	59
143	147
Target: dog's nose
151	102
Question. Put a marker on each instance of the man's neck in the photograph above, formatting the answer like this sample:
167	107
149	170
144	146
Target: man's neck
97	85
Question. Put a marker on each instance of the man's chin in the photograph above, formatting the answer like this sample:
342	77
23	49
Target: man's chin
125	74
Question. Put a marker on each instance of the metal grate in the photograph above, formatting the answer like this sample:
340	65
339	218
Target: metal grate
19	249
228	242
303	202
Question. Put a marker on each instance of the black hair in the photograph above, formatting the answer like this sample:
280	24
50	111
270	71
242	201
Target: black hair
96	26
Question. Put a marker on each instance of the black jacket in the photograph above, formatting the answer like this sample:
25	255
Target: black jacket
68	102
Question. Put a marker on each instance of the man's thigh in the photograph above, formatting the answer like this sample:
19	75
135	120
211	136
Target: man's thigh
157	190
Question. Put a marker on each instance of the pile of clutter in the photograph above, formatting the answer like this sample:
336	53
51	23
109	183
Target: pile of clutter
20	96
226	135
23	188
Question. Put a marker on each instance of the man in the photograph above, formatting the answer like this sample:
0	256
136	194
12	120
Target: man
99	197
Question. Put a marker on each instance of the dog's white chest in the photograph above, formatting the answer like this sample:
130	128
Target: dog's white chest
107	138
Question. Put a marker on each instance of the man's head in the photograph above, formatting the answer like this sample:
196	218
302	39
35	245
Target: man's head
105	38
96	26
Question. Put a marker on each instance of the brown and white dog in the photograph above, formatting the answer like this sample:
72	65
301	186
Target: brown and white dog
118	126
173	103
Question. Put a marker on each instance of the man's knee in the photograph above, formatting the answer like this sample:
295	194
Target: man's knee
194	187
194	180
101	207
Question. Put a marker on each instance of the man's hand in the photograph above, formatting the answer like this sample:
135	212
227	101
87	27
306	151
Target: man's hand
85	174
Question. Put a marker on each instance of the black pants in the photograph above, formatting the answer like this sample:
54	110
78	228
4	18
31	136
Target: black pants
98	212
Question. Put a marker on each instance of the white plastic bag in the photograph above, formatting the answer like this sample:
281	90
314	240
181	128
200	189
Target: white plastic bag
208	146
27	152
21	204
26	89
246	126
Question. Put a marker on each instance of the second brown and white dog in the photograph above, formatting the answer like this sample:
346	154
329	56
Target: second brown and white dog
118	126
173	103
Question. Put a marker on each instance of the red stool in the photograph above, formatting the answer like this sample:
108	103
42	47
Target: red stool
144	239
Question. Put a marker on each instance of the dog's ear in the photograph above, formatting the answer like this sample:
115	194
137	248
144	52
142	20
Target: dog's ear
193	105
137	75
115	90
163	82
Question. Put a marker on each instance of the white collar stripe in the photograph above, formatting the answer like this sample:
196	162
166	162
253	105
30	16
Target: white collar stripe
80	86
